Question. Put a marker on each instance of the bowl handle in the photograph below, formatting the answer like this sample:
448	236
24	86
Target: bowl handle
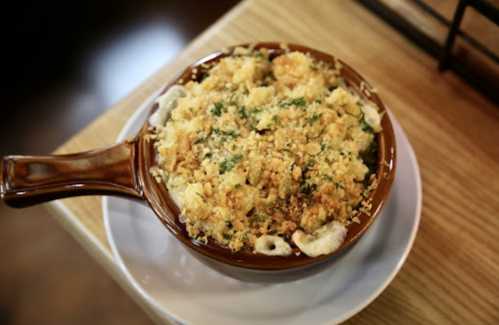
28	180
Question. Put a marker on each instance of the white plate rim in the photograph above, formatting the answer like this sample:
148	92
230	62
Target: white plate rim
359	307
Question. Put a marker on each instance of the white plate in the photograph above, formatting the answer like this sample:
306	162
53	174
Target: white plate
179	287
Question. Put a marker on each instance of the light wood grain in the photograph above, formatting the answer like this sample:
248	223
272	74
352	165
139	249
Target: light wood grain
452	274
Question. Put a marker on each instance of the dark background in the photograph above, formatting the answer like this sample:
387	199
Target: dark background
64	64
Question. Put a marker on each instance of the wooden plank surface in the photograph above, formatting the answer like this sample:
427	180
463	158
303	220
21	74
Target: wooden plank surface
452	274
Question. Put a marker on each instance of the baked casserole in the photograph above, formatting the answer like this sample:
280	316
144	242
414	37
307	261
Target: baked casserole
270	154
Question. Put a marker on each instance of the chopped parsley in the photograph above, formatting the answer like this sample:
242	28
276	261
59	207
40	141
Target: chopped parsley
314	118
259	55
298	102
233	100
242	112
256	110
230	133
366	127
217	109
201	196
227	164
226	134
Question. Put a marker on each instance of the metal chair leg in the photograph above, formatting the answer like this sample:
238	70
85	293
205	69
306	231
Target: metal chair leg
451	36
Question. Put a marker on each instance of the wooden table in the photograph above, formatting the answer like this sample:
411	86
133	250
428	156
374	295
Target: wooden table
452	273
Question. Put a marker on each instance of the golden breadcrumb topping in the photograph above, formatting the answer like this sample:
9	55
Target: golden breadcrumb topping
267	146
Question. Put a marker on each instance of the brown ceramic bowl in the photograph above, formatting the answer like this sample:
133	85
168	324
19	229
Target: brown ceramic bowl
124	170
